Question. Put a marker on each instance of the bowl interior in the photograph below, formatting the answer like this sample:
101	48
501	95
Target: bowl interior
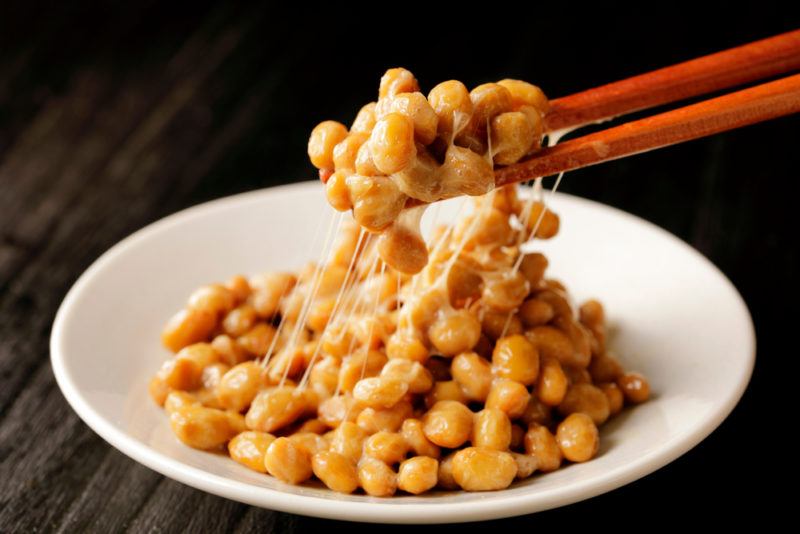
673	317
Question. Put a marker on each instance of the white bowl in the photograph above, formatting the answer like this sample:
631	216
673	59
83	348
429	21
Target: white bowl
676	318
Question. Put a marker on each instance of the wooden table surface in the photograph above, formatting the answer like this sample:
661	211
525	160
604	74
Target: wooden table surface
113	118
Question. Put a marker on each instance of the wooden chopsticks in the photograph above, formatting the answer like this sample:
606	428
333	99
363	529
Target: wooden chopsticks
770	57
749	106
743	64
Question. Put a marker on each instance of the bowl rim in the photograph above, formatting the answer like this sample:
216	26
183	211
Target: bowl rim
495	505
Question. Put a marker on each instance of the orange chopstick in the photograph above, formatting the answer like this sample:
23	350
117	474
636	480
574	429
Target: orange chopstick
743	64
741	108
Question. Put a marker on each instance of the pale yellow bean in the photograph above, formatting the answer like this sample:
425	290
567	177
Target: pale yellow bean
455	333
240	385
635	387
509	396
276	408
553	383
418	475
324	137
525	94
418	378
448	390
397	80
473	374
481	469
336	410
415	438
492	429
445	475
389	419
448	424
179	399
376	478
348	441
215	298
391	143
335	471
387	447
542	445
187	327
288	461
578	438
365	119
202	428
248	448
516	358
379	391
615	397
587	399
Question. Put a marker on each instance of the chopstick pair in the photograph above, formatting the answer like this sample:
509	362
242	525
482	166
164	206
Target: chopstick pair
758	60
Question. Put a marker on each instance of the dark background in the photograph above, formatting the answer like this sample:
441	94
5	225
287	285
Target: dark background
113	117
